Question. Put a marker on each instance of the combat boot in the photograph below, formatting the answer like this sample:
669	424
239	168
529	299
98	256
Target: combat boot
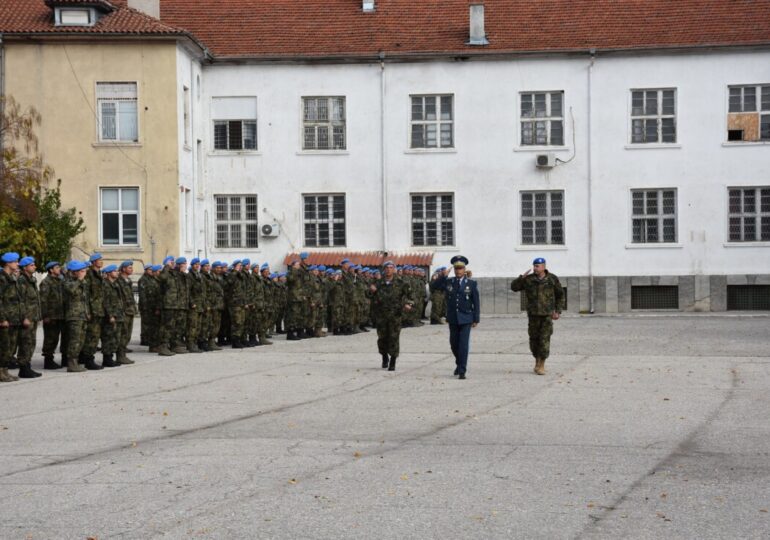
265	341
7	377
385	361
48	363
26	372
73	366
252	341
392	364
363	327
203	346
540	366
124	360
354	330
292	335
213	345
319	333
192	347
108	361
91	365
180	349
82	357
236	343
163	350
154	349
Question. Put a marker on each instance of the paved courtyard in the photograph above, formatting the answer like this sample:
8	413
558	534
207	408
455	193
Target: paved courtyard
646	426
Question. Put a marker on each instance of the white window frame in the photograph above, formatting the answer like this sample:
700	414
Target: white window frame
242	222
214	124
659	116
100	101
120	212
58	12
439	219
760	109
330	124
438	122
659	216
758	214
548	119
548	218
331	220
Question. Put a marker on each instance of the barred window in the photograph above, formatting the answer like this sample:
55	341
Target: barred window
653	216
324	220
542	118
236	221
323	123
653	116
433	220
432	122
749	214
120	216
748	117
542	217
117	106
235	123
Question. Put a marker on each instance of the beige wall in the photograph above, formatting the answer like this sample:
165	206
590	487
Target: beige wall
42	75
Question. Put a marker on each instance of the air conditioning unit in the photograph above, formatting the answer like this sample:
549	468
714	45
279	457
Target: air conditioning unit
545	161
271	229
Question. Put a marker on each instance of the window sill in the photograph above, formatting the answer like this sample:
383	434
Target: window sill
329	248
121	144
746	143
187	148
123	249
430	151
541	149
653	146
540	247
434	248
746	244
235	250
654	245
323	153
234	153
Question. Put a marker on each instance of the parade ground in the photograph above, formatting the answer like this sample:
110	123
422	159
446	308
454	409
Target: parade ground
646	426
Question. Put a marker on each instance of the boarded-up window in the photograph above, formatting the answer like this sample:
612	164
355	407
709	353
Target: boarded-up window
748	117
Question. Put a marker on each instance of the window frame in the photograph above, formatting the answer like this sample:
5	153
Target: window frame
659	117
762	114
331	220
227	131
120	213
548	118
439	220
438	122
758	215
99	122
243	222
330	123
92	17
659	216
549	218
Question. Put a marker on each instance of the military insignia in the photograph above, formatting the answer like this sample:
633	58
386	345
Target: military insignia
449	288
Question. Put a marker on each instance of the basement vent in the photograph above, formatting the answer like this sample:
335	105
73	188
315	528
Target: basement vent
748	297
524	300
655	297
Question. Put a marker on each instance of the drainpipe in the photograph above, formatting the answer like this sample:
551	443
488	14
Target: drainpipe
2	91
383	164
592	52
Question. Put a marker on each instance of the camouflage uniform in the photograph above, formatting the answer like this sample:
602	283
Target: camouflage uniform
114	307
266	310
150	305
317	305
389	300
544	297
52	312
175	302
11	311
95	283
437	300
129	303
336	320
77	312
297	300
236	297
30	304
197	295
215	302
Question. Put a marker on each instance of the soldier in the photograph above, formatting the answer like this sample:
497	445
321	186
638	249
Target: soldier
236	300
463	312
113	317
392	298
30	306
280	317
95	284
10	314
545	301
125	270
215	302
151	306
77	312
437	299
336	320
297	298
174	293
145	329
349	286
197	305
268	305
52	312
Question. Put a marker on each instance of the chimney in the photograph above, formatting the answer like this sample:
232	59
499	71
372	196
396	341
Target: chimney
478	36
148	7
368	6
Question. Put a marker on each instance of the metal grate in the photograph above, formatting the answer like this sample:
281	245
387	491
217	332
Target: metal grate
524	300
748	297
655	297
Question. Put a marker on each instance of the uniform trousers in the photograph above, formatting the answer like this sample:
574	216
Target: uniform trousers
459	341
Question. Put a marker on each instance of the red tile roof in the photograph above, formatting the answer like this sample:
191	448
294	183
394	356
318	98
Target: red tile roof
364	258
35	17
328	28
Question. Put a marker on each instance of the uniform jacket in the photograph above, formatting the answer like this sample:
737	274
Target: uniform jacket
236	284
113	300
173	286
95	283
77	305
127	288
10	300
197	288
390	298
30	297
52	298
462	300
215	293
544	296
150	299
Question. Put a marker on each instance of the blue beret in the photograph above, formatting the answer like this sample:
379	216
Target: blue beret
10	257
458	260
108	269
312	267
26	261
244	262
204	262
51	265
345	261
74	266
236	262
322	267
168	259
181	260
388	263
95	257
126	263
539	260
195	260
329	270
304	255
157	267
265	266
272	276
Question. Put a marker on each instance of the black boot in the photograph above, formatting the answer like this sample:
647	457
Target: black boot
363	328
91	364
292	335
26	372
252	341
109	361
82	357
236	341
48	363
204	346
392	364
385	361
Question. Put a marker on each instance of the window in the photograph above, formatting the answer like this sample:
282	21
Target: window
323	123
542	217
433	220
120	216
653	116
432	122
749	214
236	221
324	220
235	123
186	114
748	297
542	119
654	215
748	117
655	297
116	103
74	16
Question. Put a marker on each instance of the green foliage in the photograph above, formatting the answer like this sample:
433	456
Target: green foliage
59	227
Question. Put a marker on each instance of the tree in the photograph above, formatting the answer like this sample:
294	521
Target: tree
31	219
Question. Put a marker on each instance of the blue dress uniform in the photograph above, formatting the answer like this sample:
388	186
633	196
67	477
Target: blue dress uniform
462	311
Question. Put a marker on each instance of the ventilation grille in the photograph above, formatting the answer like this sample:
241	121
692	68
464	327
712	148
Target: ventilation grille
655	297
748	297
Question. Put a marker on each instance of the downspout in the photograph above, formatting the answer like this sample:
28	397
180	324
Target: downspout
592	52
193	149
383	165
2	92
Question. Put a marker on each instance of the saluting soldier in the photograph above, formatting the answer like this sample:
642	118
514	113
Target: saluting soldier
392	299
297	298
11	318
150	306
437	297
144	331
170	294
545	301
52	312
113	317
77	312
235	294
268	303
462	313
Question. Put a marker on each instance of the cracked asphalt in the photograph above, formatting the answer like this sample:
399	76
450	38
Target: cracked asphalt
646	426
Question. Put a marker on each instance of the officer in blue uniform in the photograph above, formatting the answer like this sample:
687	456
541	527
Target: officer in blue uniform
462	312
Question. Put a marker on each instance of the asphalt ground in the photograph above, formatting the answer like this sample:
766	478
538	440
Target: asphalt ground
646	426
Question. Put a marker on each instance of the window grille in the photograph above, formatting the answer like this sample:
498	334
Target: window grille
653	216
749	214
432	122
542	217
655	297
433	220
324	220
748	116
116	103
748	297
236	221
542	118
653	116
235	135
323	123
120	216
